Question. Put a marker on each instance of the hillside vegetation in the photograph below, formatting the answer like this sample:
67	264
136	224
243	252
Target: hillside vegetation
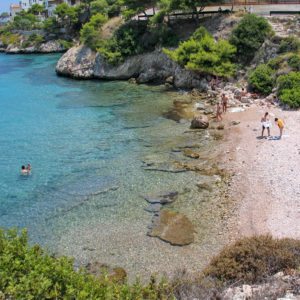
200	52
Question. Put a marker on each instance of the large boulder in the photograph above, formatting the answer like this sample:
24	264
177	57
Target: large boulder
267	51
51	47
173	227
82	62
200	122
78	62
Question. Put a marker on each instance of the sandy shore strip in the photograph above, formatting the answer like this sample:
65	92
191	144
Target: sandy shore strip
266	177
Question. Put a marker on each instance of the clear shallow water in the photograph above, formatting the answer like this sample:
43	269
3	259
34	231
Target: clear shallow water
86	141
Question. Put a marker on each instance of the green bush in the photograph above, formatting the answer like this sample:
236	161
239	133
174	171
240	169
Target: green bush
203	54
262	79
276	62
249	35
135	38
90	34
51	25
289	44
66	44
36	39
250	260
99	6
25	21
294	62
289	89
10	39
29	273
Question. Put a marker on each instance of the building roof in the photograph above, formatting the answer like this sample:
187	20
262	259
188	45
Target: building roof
15	6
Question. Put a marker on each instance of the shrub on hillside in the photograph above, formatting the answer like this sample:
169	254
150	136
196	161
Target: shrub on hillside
276	62
135	38
251	260
249	35
30	273
294	62
289	44
201	53
289	89
91	31
262	79
10	39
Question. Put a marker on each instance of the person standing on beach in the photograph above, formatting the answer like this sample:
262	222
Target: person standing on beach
224	102
280	124
219	112
265	121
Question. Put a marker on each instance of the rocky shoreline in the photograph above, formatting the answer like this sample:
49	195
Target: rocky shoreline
154	67
53	46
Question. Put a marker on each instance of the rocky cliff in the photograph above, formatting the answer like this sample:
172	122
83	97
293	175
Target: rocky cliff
154	67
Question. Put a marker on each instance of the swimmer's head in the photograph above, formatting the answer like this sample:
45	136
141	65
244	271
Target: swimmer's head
23	168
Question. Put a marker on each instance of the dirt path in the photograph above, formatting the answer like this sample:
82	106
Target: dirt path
266	181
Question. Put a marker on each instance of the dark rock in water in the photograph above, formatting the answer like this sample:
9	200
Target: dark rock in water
165	167
155	207
163	198
200	122
205	186
117	274
88	249
152	200
174	228
191	154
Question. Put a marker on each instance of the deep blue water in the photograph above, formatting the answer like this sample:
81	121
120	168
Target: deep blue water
85	141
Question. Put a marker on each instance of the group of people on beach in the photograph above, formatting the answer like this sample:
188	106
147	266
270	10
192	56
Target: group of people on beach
266	124
26	170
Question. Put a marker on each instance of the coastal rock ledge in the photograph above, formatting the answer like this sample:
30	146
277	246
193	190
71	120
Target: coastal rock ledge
154	67
48	47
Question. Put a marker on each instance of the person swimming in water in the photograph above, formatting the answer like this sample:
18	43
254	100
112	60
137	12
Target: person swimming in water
24	170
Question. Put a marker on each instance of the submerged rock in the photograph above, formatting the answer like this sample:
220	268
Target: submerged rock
98	269
174	228
163	198
191	154
153	207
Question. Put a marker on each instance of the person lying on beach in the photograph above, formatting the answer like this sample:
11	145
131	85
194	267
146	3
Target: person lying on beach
219	112
224	99
265	121
280	124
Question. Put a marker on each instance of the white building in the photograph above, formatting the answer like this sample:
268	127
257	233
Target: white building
14	9
26	4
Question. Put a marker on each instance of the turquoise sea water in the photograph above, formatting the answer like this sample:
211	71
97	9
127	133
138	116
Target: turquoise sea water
85	140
